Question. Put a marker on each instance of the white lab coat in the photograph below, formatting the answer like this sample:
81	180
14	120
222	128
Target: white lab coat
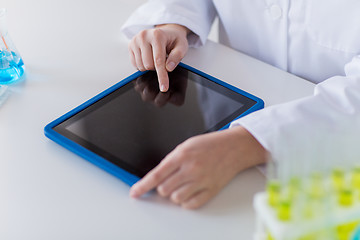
317	40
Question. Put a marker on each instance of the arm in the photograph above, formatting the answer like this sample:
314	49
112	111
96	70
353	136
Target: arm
323	128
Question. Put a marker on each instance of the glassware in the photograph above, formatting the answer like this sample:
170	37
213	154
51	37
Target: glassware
11	64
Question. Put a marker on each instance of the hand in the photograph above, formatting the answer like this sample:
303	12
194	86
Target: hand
201	166
148	89
148	50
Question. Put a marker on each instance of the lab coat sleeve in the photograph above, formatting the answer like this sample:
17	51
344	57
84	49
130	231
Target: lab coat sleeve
322	127
196	15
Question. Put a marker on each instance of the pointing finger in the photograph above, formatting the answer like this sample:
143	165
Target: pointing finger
154	178
159	53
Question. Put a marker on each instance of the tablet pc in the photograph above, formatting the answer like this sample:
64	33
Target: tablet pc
130	127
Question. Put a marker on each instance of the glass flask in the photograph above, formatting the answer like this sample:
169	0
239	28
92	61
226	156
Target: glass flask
11	64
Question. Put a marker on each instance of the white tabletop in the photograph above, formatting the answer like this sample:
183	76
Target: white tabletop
72	51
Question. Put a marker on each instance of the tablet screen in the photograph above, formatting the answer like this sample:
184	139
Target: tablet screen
136	126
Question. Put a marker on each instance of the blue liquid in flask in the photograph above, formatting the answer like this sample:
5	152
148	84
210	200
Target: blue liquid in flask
11	67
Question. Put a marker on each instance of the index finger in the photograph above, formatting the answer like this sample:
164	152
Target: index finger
159	53
153	178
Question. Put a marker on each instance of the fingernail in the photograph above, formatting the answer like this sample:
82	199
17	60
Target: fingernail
163	88
170	66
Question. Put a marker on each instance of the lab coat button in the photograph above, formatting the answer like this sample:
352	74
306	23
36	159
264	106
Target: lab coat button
275	11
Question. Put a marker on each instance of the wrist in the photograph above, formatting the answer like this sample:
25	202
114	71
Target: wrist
249	151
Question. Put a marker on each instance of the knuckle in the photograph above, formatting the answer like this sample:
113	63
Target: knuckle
162	191
158	34
141	68
198	201
132	45
195	169
182	146
156	177
187	148
159	62
139	64
178	54
175	197
149	66
139	39
142	34
182	54
181	155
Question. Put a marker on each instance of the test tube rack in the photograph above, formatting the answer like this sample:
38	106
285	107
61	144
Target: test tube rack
317	207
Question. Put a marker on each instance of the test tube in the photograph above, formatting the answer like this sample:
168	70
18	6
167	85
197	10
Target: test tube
284	210
338	178
355	177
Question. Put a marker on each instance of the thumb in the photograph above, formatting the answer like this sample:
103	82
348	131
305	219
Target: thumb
176	55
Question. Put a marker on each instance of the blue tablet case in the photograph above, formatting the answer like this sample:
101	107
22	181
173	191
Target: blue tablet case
99	161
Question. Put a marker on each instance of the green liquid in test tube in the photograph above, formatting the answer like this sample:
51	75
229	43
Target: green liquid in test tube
338	178
269	236
356	178
345	231
345	197
273	190
284	210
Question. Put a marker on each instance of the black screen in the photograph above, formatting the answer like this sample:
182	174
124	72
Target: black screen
136	126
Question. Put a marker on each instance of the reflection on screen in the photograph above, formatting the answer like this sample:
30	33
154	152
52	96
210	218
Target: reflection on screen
136	126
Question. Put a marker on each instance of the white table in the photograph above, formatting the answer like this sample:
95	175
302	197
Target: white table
73	50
